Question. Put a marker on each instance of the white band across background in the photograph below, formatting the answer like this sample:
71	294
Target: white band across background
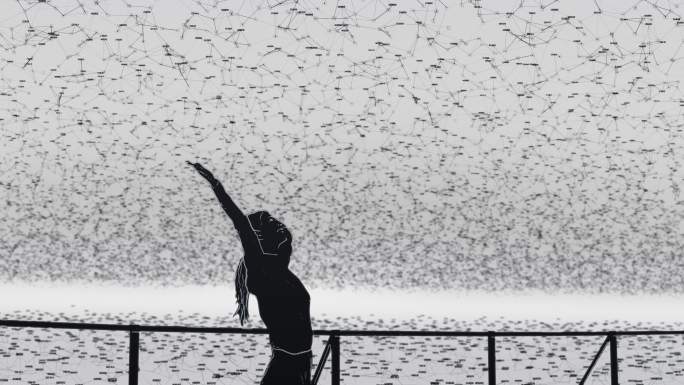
219	301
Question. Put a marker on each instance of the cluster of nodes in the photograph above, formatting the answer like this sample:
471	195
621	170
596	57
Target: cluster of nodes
475	144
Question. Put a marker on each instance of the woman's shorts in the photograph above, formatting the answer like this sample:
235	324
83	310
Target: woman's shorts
287	369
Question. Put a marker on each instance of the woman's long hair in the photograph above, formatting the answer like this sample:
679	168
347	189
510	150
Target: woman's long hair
241	292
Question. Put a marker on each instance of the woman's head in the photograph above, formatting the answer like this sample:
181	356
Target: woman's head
274	237
276	242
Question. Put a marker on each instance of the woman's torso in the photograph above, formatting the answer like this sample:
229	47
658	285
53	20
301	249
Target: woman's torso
284	307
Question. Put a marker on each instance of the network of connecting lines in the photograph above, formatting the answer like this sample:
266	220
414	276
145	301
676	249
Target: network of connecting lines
471	144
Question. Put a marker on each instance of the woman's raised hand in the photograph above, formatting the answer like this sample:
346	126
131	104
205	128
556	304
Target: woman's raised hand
204	172
238	218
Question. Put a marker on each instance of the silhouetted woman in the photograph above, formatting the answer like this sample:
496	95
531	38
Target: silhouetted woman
282	298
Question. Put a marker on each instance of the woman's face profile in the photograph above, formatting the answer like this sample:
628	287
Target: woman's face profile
275	237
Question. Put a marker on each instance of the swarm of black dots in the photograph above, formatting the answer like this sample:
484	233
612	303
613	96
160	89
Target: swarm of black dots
442	144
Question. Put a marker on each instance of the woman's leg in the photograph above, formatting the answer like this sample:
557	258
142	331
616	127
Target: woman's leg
269	373
301	369
307	369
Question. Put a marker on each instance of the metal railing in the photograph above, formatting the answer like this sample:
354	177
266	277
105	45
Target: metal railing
333	344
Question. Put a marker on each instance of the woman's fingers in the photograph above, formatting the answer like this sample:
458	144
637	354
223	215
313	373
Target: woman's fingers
198	167
201	170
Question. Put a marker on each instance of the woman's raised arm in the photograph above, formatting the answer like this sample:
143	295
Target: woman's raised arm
250	242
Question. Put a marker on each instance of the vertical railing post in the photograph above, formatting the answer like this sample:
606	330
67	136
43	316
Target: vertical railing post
133	347
335	350
613	359
491	355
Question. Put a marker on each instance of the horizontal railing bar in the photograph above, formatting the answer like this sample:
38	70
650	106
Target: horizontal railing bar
430	333
64	325
367	333
129	328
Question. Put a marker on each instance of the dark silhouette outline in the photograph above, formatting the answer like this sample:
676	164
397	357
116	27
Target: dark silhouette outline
283	300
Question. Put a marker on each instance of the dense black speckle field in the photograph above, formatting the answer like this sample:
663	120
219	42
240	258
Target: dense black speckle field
474	144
